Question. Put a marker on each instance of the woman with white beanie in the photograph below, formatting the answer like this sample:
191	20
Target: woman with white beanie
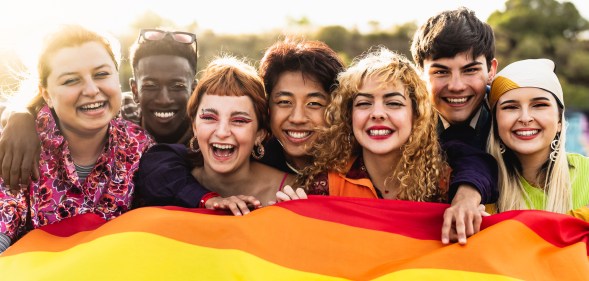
527	139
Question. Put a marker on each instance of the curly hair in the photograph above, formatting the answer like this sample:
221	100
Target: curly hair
422	162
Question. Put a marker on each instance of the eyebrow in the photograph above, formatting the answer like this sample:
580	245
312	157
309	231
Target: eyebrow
214	111
73	73
387	95
309	95
534	99
471	64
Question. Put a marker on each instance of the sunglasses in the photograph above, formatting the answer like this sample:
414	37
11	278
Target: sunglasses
156	34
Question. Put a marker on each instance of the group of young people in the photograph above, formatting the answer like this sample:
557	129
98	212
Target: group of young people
301	124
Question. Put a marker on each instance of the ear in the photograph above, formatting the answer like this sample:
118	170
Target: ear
194	128
46	96
133	85
493	70
260	136
559	127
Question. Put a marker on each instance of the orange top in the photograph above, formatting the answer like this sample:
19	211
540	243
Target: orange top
340	185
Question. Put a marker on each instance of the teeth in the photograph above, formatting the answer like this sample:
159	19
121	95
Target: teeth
298	135
379	132
460	100
93	105
526	133
165	114
222	146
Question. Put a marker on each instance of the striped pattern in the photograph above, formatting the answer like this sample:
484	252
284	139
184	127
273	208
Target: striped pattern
323	238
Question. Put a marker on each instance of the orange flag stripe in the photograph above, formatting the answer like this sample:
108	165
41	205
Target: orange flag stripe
287	239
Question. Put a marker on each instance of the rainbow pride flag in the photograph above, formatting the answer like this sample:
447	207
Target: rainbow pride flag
322	238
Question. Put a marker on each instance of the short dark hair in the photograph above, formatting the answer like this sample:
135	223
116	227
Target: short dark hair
165	46
452	32
313	58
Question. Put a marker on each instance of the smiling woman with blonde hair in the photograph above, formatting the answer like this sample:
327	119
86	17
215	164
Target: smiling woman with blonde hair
527	139
88	156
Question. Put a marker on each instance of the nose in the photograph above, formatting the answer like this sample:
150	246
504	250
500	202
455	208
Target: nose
298	115
223	130
525	118
378	113
91	89
163	96
456	84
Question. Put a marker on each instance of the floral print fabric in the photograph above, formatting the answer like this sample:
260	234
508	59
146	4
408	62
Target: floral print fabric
59	194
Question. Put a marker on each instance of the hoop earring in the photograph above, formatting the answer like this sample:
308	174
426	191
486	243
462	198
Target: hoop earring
554	147
191	145
258	151
501	147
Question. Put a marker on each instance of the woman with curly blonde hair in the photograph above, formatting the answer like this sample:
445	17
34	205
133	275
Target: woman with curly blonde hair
381	139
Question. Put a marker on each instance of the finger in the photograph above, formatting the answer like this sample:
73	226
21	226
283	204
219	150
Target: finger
281	197
478	219
26	167
235	210
447	227
250	200
301	193
290	192
469	224
270	203
6	162
2	154
36	172
15	169
243	208
460	228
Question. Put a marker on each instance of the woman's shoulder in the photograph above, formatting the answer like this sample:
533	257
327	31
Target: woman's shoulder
125	129
578	161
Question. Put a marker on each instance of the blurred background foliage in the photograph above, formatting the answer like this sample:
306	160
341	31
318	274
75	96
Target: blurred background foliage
524	29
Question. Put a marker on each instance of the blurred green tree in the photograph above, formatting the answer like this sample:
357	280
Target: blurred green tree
550	29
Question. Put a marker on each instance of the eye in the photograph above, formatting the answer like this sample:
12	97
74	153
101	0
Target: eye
315	105
179	86
440	72
362	104
395	104
509	107
241	120
541	105
208	117
471	70
102	74
149	86
70	81
283	103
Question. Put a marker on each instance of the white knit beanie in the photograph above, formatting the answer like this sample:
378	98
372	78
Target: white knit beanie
534	73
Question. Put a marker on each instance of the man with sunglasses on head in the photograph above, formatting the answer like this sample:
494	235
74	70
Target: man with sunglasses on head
164	69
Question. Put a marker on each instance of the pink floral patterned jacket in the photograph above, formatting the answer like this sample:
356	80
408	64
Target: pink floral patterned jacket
58	194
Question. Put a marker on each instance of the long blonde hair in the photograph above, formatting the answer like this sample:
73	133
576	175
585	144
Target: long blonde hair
421	165
555	174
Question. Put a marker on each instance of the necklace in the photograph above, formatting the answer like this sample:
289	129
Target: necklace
292	168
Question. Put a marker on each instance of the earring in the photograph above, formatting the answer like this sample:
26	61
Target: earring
554	147
501	147
258	151
191	145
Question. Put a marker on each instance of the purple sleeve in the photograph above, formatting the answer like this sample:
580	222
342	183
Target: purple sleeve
474	167
164	178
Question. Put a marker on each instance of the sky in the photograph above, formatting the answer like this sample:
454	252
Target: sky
22	21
